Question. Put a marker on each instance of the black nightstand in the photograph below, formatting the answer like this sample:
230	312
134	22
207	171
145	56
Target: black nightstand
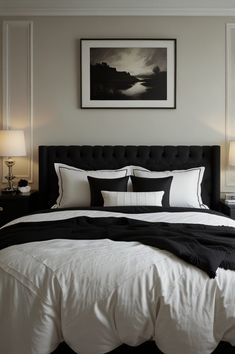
228	210
14	205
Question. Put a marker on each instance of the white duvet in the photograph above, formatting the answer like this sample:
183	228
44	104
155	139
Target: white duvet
96	295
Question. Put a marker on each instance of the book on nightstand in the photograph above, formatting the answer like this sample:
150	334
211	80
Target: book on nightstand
230	198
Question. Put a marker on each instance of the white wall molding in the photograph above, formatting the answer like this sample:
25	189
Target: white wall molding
119	11
18	88
230	106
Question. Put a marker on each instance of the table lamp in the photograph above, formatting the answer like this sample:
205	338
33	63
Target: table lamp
12	143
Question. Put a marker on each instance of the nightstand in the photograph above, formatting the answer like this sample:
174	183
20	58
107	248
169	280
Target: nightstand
228	210
14	205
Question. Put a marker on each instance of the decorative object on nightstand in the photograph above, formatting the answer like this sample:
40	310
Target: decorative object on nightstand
230	198
23	186
12	143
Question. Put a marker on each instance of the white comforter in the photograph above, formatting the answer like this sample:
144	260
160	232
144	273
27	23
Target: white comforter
96	295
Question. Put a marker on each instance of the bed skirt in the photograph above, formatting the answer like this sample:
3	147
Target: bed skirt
148	347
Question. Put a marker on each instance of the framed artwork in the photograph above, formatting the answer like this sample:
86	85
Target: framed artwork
128	73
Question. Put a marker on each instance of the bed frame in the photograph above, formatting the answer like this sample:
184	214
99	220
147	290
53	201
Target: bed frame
156	158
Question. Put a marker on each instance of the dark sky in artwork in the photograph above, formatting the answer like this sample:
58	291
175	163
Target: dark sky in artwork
136	61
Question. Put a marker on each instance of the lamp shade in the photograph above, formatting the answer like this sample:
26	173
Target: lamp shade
12	143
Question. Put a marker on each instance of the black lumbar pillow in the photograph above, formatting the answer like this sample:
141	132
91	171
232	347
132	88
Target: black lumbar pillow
141	184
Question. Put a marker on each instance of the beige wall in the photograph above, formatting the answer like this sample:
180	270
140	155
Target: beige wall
200	114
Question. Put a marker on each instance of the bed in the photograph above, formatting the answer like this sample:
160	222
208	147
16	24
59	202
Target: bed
131	294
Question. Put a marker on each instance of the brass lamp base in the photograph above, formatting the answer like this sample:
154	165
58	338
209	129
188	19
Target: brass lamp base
10	188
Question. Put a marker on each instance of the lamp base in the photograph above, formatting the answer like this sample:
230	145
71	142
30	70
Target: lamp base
9	190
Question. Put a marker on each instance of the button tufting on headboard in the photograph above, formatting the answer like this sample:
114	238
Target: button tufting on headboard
157	158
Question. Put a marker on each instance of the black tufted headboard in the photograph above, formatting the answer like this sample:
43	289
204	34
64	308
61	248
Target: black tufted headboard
156	158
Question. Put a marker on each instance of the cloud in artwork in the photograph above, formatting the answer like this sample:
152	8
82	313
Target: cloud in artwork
136	61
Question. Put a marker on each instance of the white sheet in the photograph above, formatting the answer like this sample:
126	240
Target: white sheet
98	294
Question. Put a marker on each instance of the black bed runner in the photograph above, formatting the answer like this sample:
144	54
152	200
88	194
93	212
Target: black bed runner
206	247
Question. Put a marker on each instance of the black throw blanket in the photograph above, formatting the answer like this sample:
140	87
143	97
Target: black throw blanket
206	247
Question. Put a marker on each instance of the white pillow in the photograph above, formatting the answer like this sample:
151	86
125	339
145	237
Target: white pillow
130	172
131	168
74	190
132	198
185	188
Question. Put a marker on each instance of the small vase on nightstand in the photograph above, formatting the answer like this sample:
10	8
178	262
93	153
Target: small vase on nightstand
23	186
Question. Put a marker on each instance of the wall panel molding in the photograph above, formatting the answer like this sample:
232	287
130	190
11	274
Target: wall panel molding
18	88
117	8
121	11
230	103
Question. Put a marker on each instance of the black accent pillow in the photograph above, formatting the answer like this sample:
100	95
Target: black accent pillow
141	184
105	184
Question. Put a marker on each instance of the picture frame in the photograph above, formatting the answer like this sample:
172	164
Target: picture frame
128	73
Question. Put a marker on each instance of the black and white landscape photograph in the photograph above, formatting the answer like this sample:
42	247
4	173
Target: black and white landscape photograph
130	75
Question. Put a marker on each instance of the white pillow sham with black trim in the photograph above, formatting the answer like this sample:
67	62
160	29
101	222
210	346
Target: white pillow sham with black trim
185	188
74	188
132	198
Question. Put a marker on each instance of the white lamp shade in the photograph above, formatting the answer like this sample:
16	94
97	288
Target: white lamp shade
12	143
